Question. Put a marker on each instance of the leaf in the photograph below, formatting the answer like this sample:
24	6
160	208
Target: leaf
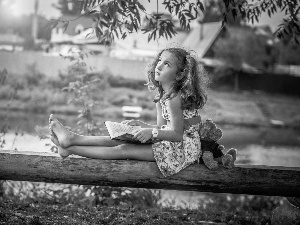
177	7
65	26
138	17
141	6
169	33
104	23
150	36
200	5
99	32
52	23
234	13
160	32
297	11
93	11
116	32
86	36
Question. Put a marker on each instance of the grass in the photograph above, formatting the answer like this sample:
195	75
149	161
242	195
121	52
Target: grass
222	107
220	208
38	94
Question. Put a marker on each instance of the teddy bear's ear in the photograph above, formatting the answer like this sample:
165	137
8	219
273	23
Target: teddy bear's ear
215	134
209	131
204	130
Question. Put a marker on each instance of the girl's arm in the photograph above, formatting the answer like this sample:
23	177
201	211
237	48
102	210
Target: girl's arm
175	133
160	120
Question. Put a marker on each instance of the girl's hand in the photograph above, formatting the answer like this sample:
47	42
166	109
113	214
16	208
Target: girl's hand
132	122
143	135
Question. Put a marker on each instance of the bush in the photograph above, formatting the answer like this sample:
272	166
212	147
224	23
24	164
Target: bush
121	100
5	92
38	104
86	195
33	77
149	115
113	205
118	81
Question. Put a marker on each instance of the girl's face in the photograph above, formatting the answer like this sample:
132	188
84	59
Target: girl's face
166	68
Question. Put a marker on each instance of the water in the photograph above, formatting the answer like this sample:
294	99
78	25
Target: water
256	146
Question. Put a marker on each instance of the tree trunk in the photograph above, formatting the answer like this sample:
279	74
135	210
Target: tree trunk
236	82
48	167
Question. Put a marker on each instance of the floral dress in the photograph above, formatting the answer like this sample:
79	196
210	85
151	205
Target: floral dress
172	157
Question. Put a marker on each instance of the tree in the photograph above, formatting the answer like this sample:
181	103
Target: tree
214	10
238	47
112	18
290	28
68	7
288	53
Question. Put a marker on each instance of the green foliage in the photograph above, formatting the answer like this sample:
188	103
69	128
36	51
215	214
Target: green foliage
85	195
119	81
68	7
33	76
290	28
72	204
242	45
287	53
121	18
148	115
4	126
81	84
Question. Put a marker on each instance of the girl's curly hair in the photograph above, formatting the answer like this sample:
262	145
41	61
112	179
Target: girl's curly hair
192	87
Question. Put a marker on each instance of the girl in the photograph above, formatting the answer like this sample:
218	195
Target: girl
181	85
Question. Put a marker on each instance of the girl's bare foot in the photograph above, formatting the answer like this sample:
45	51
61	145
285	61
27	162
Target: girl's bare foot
60	133
64	153
54	139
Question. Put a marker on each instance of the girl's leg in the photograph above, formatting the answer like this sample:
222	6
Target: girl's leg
66	138
98	147
141	152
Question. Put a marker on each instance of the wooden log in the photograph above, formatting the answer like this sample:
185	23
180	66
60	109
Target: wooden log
48	167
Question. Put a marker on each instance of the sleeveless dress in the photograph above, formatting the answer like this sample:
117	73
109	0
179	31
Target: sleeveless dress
172	157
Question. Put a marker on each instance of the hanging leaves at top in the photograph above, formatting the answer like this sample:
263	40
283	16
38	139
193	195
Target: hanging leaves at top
120	18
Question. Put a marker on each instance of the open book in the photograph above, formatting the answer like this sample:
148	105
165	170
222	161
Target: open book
122	132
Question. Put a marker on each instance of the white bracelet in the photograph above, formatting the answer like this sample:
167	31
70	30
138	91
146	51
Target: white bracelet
154	133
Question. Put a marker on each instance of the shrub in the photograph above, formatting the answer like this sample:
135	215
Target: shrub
120	100
5	92
38	104
149	115
118	81
33	77
86	195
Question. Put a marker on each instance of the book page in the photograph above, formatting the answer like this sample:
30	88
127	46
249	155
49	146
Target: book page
118	129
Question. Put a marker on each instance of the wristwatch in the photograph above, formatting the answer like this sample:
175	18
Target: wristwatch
154	133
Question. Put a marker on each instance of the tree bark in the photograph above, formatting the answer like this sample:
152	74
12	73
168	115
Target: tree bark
49	167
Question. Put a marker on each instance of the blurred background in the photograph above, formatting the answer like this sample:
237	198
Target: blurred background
254	96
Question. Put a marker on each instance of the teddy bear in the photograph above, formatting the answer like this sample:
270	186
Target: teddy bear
212	152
